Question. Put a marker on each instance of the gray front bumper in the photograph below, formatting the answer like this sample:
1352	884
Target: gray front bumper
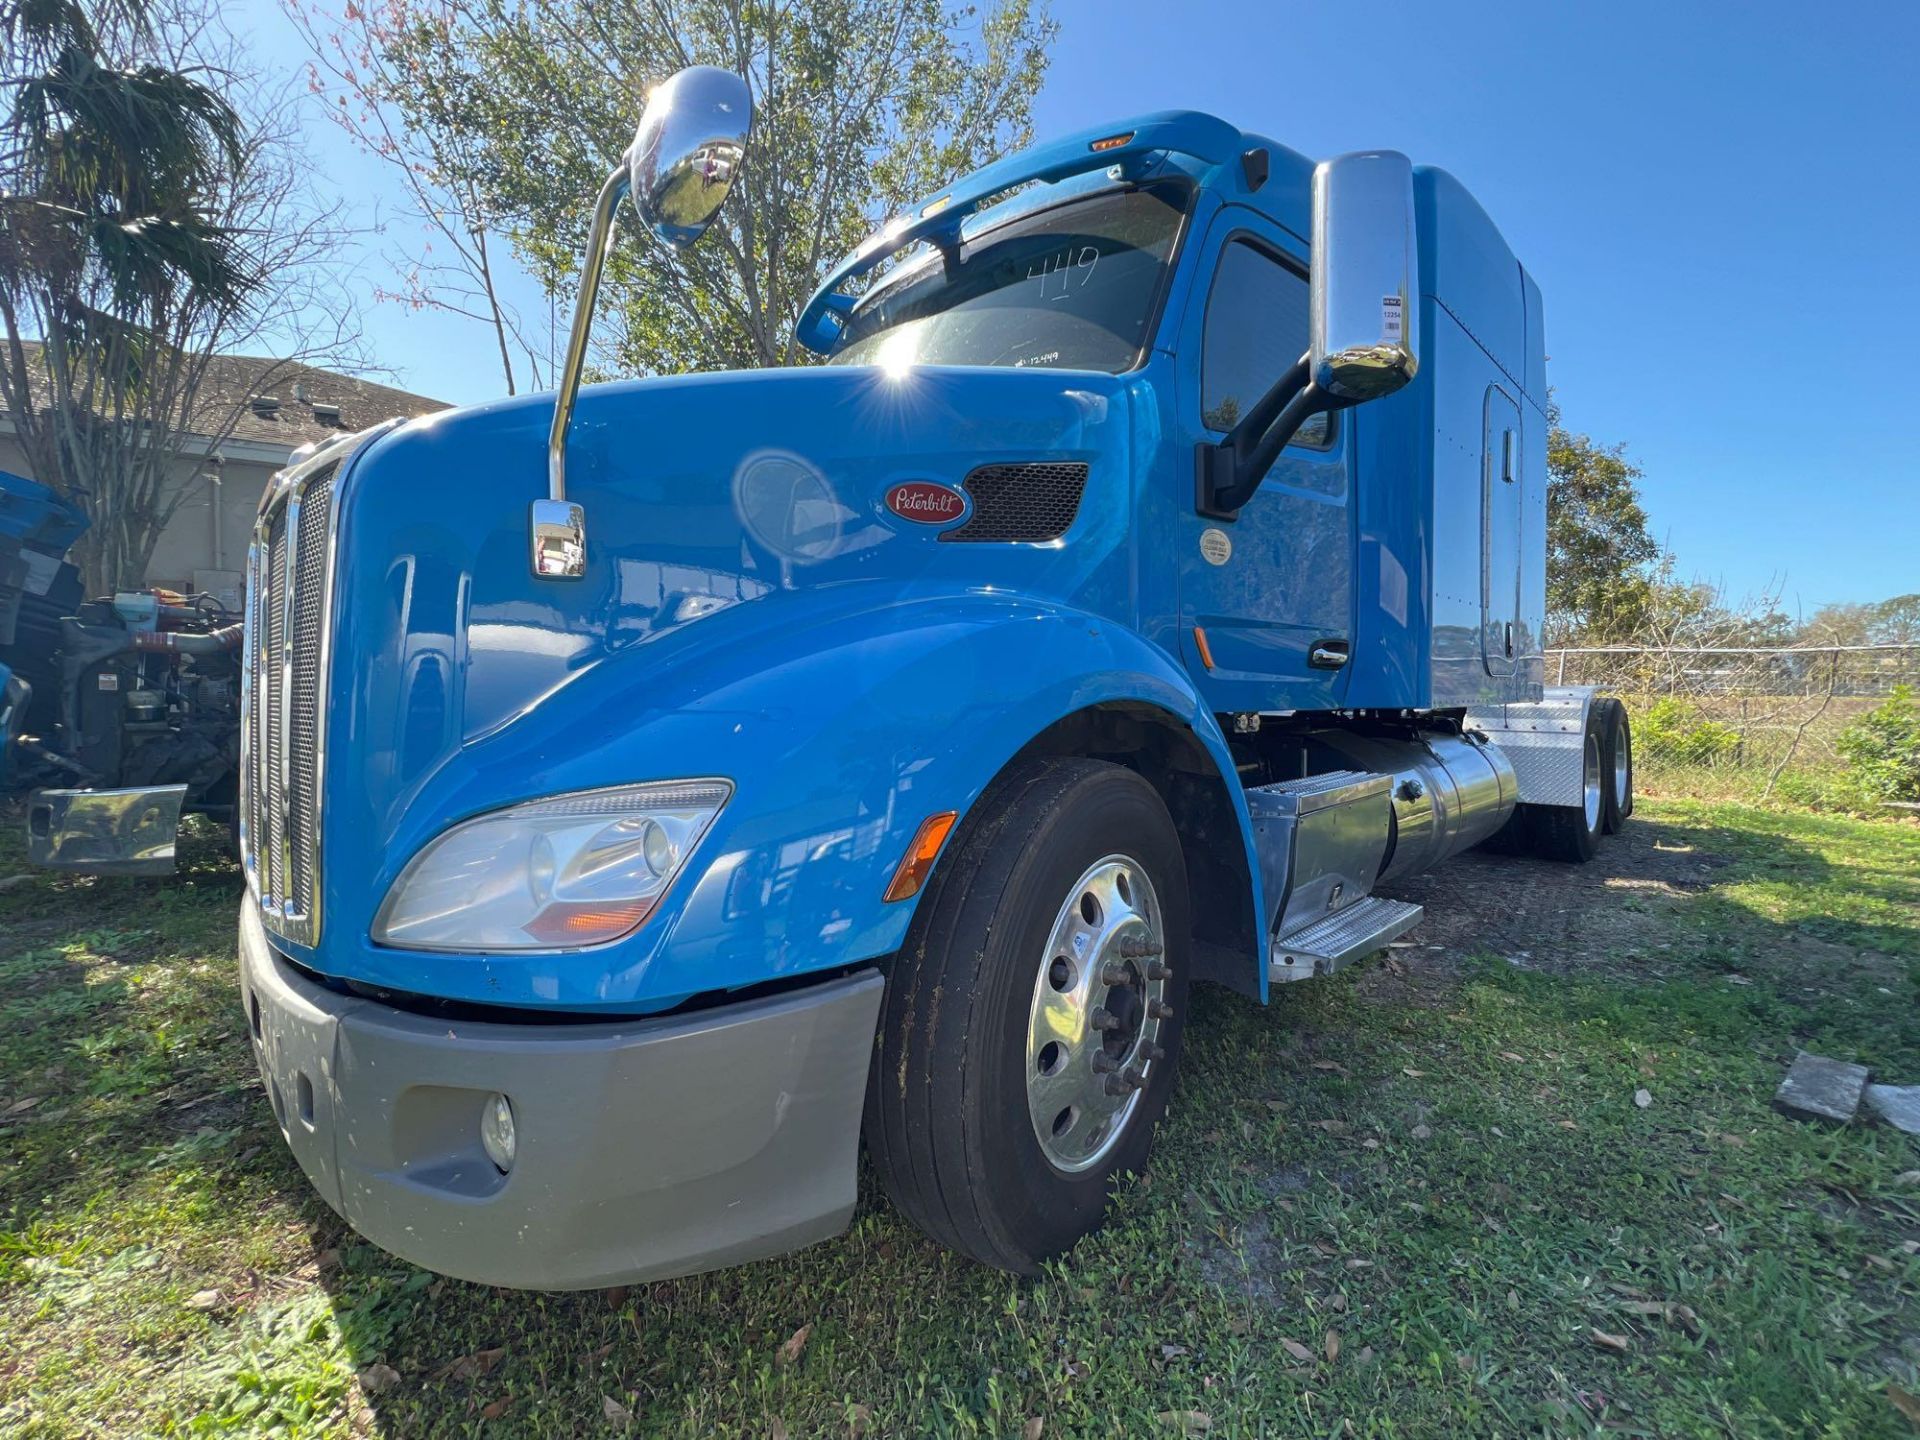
647	1148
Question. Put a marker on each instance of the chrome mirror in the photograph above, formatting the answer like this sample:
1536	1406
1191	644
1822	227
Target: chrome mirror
1366	297
687	152
683	161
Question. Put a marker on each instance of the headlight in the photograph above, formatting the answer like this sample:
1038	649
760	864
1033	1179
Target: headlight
552	874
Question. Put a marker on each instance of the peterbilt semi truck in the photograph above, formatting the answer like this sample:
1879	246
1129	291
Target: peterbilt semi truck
652	791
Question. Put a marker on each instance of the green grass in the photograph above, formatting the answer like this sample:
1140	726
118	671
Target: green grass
1440	1163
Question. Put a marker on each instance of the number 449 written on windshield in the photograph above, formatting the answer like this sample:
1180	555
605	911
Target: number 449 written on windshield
1064	271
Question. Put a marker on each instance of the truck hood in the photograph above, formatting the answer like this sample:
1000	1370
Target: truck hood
716	506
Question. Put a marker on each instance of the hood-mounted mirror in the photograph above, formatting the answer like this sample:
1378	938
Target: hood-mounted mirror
684	160
687	152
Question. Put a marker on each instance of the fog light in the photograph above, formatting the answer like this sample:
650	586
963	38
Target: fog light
496	1131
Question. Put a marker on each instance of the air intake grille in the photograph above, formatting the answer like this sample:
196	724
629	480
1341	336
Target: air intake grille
1021	503
286	617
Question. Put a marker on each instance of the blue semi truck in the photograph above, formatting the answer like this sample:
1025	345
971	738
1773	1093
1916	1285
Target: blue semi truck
883	748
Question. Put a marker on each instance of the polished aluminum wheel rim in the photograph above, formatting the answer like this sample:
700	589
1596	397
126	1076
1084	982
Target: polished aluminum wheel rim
1592	777
1622	768
1099	1002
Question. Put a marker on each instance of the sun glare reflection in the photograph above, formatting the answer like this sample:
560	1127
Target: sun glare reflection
898	352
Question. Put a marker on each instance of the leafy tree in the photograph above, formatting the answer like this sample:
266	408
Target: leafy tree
1895	621
1600	554
145	224
520	107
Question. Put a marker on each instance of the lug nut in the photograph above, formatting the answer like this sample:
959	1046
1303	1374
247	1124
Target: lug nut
1157	970
1103	1063
1156	1052
1159	1010
1115	1085
1135	948
1133	1076
1112	974
1102	1019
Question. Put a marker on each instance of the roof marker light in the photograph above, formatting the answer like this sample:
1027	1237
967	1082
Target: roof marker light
918	861
1111	142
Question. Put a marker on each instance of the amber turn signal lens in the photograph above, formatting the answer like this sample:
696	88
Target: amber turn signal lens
921	854
1111	142
1200	644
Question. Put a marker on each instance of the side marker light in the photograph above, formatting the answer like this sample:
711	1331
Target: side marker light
918	861
1200	644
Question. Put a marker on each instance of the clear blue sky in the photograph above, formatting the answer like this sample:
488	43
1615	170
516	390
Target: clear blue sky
1721	204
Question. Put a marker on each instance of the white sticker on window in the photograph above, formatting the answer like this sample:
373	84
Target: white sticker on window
109	680
1393	325
1215	546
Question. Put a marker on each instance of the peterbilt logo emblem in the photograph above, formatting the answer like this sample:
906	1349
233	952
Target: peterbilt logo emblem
926	503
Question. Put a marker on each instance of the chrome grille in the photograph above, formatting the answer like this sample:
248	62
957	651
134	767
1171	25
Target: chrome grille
289	574
284	684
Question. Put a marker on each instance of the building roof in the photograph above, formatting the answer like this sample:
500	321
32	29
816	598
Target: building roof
283	402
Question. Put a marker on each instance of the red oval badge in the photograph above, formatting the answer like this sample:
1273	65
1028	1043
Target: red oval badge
926	503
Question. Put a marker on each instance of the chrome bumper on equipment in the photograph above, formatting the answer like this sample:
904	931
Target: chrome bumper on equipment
105	832
645	1149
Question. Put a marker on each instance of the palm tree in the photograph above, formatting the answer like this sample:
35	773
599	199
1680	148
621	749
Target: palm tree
103	166
107	169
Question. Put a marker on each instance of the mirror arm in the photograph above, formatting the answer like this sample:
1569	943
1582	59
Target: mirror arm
556	527
1244	436
1227	474
598	238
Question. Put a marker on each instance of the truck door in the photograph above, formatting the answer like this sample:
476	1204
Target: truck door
1272	590
1500	533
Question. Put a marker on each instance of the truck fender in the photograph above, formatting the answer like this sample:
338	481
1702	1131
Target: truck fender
841	739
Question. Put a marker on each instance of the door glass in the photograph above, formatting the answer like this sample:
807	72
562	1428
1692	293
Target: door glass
1256	327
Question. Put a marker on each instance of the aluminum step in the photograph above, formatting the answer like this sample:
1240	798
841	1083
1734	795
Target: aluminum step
1340	938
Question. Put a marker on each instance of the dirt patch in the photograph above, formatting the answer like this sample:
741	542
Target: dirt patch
1251	1261
1542	915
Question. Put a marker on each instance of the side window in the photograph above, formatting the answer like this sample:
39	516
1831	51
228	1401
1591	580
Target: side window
1256	327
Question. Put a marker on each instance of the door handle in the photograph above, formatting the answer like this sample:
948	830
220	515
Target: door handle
1327	654
1509	639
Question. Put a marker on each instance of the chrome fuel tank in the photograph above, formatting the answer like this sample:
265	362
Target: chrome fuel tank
1450	791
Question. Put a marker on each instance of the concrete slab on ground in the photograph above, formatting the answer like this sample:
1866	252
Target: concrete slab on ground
1898	1105
1820	1088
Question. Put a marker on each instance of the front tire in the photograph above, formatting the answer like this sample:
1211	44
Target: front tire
1032	1022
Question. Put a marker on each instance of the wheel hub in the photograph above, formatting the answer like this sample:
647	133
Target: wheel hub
1099	1002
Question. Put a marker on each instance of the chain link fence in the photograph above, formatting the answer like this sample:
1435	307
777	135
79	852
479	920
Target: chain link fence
1742	721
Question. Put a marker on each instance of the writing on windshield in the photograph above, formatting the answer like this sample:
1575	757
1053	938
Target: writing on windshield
1075	286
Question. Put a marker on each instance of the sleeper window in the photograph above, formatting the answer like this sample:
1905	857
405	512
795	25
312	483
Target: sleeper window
1256	327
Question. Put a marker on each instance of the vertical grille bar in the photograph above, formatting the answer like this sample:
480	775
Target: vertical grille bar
307	606
271	691
250	703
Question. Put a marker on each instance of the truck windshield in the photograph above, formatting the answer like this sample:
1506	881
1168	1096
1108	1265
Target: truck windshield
1072	287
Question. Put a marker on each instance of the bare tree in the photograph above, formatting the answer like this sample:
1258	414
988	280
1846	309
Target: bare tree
370	67
107	390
